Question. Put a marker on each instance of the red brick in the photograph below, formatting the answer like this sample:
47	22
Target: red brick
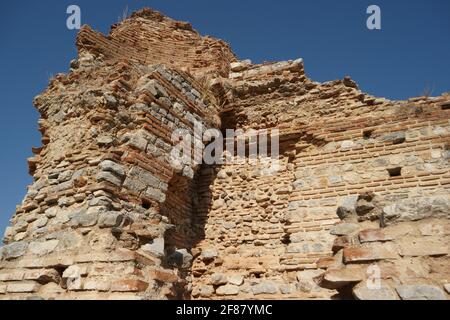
129	285
371	235
369	253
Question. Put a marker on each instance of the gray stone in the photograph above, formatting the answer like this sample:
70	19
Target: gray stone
286	289
149	86
417	209
62	186
344	229
156	247
9	232
69	240
395	138
206	291
228	290
155	194
109	177
335	179
43	248
84	219
140	107
105	140
14	250
229	225
298	184
65	176
100	201
51	212
364	292
209	254
113	167
420	292
265	287
138	141
134	184
22	287
240	65
41	222
363	207
110	219
347	144
73	277
218	279
146	177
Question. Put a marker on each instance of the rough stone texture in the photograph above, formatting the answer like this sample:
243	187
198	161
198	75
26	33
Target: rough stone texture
382	292
421	292
360	192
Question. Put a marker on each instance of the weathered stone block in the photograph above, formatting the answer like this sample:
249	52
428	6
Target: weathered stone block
417	209
110	219
84	219
112	167
109	177
344	229
235	279
209	254
206	291
22	287
155	194
420	292
347	207
156	247
337	278
182	258
422	247
369	291
265	287
227	290
218	279
43	248
14	250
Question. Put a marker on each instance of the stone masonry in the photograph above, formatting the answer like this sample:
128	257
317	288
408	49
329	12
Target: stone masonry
358	208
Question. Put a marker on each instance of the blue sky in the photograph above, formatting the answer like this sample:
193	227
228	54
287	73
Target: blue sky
410	54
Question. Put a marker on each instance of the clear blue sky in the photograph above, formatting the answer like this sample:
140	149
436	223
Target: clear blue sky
410	53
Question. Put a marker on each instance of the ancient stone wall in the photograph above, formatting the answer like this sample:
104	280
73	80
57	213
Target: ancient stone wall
358	206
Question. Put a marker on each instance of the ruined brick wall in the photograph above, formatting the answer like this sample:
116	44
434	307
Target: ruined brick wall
150	38
362	188
380	166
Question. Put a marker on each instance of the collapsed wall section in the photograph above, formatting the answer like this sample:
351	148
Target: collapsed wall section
148	38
